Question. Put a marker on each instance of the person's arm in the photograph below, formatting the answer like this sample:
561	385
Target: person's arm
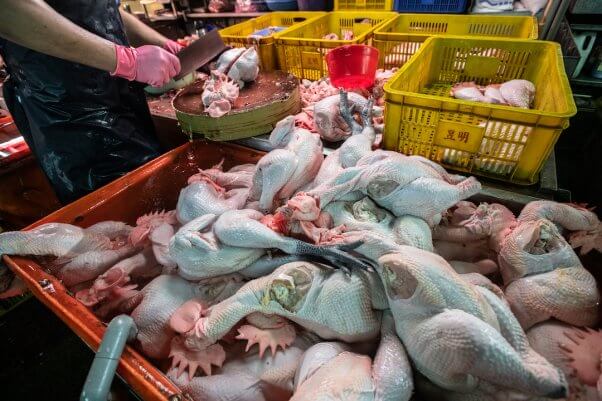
35	25
139	33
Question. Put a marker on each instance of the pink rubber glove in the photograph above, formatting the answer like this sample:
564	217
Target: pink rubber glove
149	64
172	47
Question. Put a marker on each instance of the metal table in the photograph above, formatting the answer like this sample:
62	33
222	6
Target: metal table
513	196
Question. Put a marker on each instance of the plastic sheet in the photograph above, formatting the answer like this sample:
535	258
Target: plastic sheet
85	127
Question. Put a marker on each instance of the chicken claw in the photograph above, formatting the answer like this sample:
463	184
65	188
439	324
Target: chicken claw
273	337
347	113
186	358
336	254
584	351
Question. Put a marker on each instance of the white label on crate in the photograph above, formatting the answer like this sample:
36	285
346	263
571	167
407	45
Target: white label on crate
456	135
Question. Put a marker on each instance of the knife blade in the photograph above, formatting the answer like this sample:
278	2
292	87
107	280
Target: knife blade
200	52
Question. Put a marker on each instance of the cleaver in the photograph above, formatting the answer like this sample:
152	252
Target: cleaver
200	52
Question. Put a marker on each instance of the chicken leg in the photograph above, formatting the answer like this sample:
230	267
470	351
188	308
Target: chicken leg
326	302
293	164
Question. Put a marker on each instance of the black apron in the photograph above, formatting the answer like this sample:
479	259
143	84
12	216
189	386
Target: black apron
85	127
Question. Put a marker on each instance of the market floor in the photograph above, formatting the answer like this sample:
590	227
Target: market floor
42	359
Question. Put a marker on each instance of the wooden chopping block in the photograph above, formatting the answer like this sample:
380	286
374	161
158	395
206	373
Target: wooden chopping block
260	105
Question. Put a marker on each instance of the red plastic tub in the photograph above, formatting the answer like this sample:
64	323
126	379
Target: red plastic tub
352	66
154	186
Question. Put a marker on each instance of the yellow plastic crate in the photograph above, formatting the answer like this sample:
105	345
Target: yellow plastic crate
399	39
238	35
350	5
502	142
301	49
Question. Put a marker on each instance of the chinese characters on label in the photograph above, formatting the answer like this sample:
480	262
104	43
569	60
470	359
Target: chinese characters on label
460	136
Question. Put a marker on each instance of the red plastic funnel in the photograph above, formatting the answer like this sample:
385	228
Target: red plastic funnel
352	66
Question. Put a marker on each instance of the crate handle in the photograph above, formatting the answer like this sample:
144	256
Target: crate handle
98	383
586	43
299	19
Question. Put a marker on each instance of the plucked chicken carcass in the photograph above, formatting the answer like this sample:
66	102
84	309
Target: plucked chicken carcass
329	371
378	230
153	307
468	91
233	68
114	286
486	221
314	91
533	5
239	64
81	254
244	228
323	301
219	94
329	122
293	163
463	338
544	277
210	246
354	148
204	196
473	234
517	92
365	215
199	254
375	244
240	176
396	182
584	225
220	6
362	136
346	34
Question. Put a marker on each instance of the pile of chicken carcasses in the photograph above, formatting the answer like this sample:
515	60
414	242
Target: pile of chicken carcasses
365	275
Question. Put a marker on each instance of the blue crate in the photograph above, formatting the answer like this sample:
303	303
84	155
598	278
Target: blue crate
431	6
282	5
